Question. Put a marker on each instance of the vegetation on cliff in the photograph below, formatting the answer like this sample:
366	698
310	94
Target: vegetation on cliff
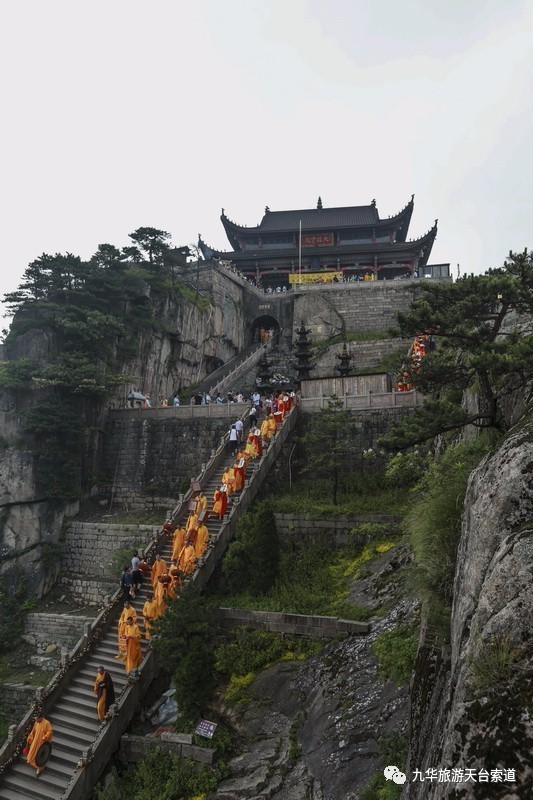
93	313
484	336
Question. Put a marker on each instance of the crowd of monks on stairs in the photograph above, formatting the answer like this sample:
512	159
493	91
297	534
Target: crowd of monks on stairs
423	343
189	543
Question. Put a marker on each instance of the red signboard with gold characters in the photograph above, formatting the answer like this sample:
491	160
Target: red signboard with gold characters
317	239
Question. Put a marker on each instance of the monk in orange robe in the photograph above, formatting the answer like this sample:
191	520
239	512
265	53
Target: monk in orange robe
105	692
158	569
220	503
201	503
127	611
192	521
150	614
187	561
178	542
228	478
41	732
161	593
239	469
202	540
134	654
175	576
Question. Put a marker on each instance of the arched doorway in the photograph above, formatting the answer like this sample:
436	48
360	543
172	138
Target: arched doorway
263	328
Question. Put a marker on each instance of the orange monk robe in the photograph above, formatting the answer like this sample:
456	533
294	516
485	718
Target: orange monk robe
272	424
103	689
134	654
201	503
228	478
251	446
127	611
220	503
158	569
161	592
258	442
150	614
187	562
281	407
178	542
41	732
265	430
192	522
202	540
176	584
239	476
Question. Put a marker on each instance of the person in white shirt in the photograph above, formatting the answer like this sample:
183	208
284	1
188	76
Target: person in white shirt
239	427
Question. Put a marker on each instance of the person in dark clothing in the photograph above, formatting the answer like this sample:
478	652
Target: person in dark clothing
126	583
105	692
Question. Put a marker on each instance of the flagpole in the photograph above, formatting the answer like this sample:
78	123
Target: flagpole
300	255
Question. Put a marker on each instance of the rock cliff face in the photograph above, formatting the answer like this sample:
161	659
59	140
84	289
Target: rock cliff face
316	729
473	707
194	337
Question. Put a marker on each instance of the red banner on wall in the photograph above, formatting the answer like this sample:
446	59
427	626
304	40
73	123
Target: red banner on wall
316	239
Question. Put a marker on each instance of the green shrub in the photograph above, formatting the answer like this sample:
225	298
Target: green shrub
314	580
13	609
237	689
251	561
252	651
396	653
162	776
434	525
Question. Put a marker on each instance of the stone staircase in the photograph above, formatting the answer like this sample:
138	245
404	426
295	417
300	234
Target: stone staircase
82	745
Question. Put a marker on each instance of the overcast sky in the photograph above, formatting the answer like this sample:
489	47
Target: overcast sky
124	113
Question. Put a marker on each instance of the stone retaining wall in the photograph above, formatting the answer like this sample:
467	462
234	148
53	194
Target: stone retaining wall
61	629
366	355
144	449
308	529
89	547
15	700
134	748
297	624
352	307
87	553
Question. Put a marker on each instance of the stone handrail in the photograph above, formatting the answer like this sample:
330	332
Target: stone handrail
45	697
364	402
244	366
312	625
215	377
108	737
186	411
243	501
382	285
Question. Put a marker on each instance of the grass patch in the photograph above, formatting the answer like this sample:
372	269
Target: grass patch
354	497
395	651
392	750
315	581
498	662
252	651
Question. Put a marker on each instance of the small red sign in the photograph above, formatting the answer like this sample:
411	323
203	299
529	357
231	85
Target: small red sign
317	239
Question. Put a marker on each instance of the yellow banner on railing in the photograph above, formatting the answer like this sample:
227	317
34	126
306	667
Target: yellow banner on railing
315	277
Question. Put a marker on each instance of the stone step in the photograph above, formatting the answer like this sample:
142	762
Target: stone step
32	787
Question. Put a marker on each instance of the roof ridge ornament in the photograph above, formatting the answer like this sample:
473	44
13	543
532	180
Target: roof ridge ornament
373	203
319	203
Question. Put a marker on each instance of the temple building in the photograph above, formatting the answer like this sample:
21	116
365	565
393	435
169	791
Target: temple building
327	244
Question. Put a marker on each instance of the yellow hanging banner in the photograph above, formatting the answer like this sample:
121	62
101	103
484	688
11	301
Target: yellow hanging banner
315	277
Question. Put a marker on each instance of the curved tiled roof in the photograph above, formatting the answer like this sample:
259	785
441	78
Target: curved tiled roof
317	219
381	249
